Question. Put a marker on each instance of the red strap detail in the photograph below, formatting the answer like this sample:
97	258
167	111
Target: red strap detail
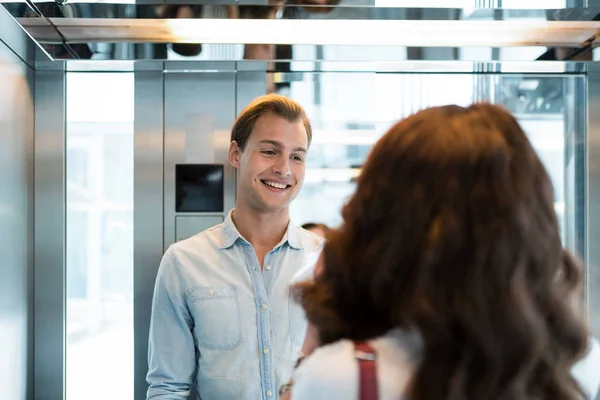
366	357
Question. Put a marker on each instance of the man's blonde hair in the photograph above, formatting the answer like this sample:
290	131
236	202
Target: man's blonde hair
281	106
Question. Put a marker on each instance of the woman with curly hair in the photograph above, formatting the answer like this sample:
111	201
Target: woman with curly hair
447	279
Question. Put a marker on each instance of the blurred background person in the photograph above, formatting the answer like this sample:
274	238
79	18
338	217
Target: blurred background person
316	228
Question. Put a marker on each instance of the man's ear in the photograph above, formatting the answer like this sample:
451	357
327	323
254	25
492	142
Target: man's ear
234	154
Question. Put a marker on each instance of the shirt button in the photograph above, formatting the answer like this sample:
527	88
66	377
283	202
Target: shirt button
268	267
211	292
263	306
266	350
269	393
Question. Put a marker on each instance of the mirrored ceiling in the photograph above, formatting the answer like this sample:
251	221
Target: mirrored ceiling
286	31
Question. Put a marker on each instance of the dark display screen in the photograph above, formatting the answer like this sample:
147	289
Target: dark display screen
199	187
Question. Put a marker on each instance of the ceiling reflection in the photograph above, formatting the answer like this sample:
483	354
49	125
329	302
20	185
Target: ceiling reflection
317	30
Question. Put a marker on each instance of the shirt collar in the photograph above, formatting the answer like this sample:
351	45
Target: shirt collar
230	234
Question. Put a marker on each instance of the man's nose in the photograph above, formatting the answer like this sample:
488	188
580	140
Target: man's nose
282	166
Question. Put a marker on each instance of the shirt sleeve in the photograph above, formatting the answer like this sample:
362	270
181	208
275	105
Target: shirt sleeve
171	348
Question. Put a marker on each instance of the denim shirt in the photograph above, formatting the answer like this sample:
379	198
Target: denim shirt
220	321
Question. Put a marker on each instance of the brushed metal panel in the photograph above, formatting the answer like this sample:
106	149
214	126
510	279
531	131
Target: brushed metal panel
49	279
199	112
593	200
16	226
188	226
249	85
30	236
147	215
16	39
200	66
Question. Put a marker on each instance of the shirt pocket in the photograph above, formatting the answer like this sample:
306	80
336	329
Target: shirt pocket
217	319
298	324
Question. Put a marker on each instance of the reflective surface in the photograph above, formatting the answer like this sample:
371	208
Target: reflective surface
347	122
322	6
49	242
593	254
148	205
99	263
16	224
224	31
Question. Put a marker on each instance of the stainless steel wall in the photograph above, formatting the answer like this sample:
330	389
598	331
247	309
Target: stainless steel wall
49	231
16	211
593	203
147	211
592	280
179	118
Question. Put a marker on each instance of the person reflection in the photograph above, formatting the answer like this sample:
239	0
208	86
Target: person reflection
182	11
222	314
269	53
448	275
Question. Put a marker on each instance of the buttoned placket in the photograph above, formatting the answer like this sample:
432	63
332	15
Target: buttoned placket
263	318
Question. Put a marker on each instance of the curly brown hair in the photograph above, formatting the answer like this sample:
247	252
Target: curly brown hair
452	232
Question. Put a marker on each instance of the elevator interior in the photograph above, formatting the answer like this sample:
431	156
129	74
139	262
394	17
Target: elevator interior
102	139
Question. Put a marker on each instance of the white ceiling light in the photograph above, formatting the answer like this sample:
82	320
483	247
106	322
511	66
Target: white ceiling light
326	32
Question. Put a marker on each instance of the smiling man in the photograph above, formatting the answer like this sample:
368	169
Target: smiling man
223	321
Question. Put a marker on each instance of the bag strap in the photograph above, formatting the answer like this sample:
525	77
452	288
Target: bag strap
367	368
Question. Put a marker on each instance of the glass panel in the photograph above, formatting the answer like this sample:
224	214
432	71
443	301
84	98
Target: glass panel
350	111
347	122
99	164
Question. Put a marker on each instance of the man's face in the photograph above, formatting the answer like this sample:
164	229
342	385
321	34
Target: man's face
272	165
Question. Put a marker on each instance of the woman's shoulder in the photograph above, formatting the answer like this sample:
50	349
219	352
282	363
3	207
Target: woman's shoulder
328	373
331	371
329	361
